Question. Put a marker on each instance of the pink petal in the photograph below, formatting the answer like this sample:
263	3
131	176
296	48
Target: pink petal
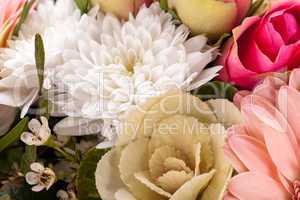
253	154
255	186
269	88
229	196
284	158
288	104
238	97
250	54
268	39
288	26
224	74
294	81
243	7
234	160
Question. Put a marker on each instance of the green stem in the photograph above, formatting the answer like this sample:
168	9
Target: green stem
51	143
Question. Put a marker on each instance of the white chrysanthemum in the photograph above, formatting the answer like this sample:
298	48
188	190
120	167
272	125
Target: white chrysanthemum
60	25
128	63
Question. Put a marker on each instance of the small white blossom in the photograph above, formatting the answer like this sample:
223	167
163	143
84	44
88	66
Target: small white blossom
40	177
40	132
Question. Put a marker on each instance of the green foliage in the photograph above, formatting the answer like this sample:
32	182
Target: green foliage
8	158
14	134
164	5
20	190
216	90
28	157
83	5
40	59
85	182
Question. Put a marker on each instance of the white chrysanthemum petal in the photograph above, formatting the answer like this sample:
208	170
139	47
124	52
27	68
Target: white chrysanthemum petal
129	62
60	31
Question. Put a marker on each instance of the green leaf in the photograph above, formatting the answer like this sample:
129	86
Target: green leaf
14	134
40	59
8	157
216	90
28	157
83	5
164	5
85	181
24	15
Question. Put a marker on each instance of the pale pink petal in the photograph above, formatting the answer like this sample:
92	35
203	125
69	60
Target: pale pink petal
288	104
253	154
229	196
239	96
294	81
255	186
282	153
234	160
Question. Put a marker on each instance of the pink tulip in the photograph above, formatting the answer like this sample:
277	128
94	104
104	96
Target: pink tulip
262	45
265	149
10	11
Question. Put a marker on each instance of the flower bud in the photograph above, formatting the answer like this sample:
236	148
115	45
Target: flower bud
211	17
121	8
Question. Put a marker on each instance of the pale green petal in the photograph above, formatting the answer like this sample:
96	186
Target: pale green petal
134	158
218	184
226	112
107	175
191	189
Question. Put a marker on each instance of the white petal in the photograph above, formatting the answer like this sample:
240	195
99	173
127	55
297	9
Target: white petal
32	178
34	125
205	76
37	167
195	43
38	188
44	134
44	121
78	126
29	101
28	138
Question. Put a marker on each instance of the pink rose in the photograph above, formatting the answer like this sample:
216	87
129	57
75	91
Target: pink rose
262	45
10	11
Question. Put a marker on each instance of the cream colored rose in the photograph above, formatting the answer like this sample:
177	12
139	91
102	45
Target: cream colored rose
170	148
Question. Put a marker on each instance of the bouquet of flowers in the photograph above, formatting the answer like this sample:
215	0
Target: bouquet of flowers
149	99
